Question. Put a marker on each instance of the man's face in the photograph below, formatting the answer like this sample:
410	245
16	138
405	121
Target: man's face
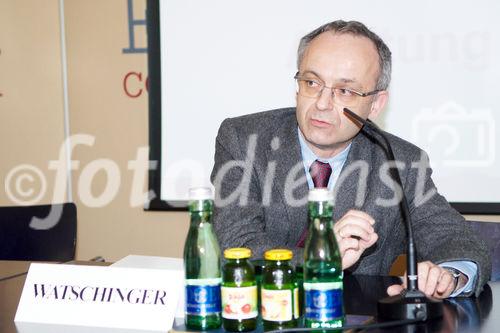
343	61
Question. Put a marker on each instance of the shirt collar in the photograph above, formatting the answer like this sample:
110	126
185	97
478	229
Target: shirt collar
309	157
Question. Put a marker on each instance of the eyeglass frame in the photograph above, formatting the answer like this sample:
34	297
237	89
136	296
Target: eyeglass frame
360	94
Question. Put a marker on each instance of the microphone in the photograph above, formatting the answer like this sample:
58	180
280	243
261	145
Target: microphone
411	303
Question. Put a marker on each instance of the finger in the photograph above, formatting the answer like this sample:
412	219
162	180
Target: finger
404	281
353	220
423	270
432	280
361	215
354	230
446	284
348	244
373	240
395	289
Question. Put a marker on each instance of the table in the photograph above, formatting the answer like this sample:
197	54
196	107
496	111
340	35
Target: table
10	268
361	295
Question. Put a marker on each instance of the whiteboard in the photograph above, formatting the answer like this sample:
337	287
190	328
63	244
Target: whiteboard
225	58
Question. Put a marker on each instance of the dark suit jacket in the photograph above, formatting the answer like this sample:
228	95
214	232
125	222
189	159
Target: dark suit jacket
270	210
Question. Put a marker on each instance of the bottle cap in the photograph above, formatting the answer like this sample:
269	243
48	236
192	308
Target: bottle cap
278	254
237	253
320	194
200	193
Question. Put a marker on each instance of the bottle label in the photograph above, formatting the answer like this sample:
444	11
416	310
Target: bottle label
203	296
239	303
276	305
323	301
296	305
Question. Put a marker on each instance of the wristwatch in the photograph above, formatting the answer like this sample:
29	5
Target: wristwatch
456	275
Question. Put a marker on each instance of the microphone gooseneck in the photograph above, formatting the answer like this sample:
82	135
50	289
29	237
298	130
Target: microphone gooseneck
411	303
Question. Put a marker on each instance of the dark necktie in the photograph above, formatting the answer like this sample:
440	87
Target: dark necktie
320	174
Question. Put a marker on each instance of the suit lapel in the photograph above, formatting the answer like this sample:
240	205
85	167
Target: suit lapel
288	158
357	170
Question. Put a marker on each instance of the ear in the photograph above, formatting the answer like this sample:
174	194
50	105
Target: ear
378	104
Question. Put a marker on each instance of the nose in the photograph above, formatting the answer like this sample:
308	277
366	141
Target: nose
325	99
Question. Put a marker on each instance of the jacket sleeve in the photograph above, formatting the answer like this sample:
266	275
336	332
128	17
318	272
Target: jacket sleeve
441	233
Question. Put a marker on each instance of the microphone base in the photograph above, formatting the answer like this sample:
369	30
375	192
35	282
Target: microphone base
409	305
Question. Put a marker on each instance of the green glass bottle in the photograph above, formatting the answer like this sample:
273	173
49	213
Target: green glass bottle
279	295
202	264
239	291
322	265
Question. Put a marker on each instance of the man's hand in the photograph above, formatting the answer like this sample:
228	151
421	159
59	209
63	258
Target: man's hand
433	280
354	233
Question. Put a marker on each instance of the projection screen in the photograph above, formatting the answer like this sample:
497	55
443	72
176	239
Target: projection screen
210	60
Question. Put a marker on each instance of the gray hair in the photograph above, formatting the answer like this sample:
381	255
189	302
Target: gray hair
357	29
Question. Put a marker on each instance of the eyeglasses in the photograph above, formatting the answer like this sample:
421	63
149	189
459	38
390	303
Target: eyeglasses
313	88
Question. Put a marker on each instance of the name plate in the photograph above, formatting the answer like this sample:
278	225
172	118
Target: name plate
113	297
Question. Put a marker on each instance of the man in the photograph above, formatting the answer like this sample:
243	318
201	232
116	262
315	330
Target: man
265	163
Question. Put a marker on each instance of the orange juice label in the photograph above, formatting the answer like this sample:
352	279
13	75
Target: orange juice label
277	305
239	303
